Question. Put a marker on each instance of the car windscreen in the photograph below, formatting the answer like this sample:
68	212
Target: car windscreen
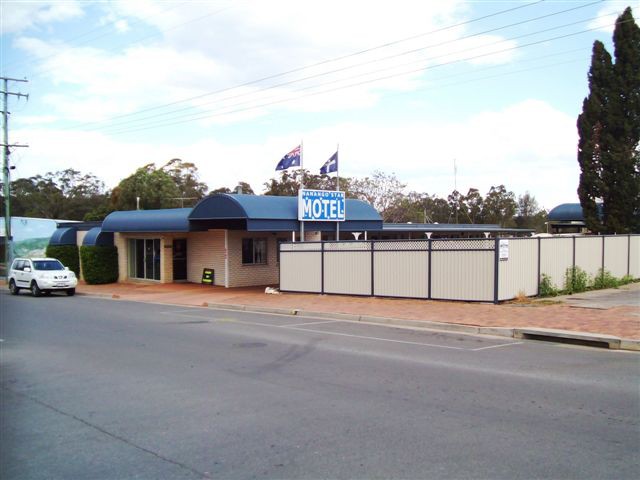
47	265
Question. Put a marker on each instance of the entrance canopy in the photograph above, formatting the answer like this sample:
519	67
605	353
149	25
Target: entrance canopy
260	213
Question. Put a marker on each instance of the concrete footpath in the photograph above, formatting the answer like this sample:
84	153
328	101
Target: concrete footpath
608	317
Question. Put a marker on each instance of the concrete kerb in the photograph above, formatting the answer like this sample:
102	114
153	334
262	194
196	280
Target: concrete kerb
612	342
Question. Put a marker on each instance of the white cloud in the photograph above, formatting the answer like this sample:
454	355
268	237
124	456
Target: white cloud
19	16
609	13
528	146
205	47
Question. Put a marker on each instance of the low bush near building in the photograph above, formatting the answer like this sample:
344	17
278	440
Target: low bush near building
576	280
547	289
67	254
99	264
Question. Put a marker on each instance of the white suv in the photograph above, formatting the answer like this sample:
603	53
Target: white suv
41	275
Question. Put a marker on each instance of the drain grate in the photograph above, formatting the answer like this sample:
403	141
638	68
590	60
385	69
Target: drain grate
572	341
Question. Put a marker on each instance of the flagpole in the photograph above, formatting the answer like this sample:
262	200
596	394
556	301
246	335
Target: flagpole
338	187
301	186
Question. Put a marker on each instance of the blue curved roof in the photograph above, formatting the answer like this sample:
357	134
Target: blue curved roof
266	212
167	220
570	212
63	236
96	237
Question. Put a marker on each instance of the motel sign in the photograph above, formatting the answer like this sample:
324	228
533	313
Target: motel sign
321	206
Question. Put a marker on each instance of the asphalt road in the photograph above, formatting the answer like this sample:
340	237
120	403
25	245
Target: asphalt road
103	389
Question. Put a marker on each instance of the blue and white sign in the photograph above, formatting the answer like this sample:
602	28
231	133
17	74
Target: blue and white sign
321	206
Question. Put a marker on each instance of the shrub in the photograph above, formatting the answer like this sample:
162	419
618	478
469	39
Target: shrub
547	289
604	279
67	254
99	264
627	279
576	280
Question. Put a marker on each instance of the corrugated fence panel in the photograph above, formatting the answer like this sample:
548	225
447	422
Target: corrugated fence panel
401	274
615	255
556	255
519	273
301	271
460	275
634	260
589	254
347	272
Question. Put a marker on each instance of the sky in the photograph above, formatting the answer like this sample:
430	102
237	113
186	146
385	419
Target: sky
410	88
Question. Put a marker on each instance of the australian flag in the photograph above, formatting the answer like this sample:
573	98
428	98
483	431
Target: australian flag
291	159
330	165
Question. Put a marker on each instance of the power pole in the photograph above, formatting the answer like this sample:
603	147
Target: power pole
8	244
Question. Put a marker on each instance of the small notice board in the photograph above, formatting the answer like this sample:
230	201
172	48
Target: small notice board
207	276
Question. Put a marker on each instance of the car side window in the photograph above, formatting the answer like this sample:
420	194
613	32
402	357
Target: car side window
18	265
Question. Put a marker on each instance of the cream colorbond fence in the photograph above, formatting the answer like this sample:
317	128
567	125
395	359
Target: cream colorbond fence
485	270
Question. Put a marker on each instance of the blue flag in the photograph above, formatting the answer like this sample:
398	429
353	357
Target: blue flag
291	159
330	165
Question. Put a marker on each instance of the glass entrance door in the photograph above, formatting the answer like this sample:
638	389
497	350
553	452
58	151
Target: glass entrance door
144	258
180	259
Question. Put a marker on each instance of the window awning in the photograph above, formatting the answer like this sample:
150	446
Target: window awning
96	237
64	236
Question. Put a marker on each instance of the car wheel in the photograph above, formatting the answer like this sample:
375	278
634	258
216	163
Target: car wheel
35	289
13	288
71	292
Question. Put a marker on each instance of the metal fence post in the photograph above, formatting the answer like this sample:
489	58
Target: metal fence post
539	267
496	268
628	255
602	269
322	268
429	271
372	274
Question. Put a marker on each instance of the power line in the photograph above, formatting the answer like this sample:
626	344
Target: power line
141	39
210	114
322	74
323	62
22	63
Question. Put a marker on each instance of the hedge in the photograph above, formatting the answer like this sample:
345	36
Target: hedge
67	254
99	264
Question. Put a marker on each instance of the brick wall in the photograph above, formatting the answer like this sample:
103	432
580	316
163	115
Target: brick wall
246	275
206	250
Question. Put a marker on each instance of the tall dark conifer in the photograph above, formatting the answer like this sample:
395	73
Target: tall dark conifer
609	130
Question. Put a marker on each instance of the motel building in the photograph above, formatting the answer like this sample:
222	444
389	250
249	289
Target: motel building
238	236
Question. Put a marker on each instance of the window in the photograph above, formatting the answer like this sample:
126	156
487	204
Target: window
47	265
254	251
144	258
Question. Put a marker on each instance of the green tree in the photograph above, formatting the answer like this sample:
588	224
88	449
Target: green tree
288	183
186	178
246	189
155	188
473	201
65	194
382	191
499	207
529	214
609	131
